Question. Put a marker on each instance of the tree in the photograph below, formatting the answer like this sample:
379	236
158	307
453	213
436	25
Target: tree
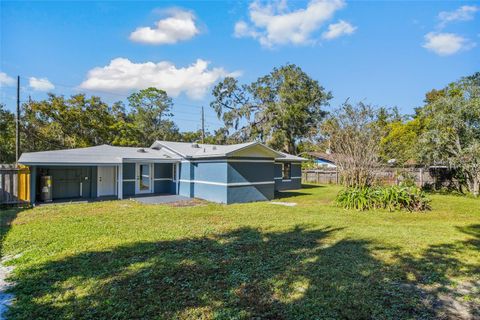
151	112
401	141
58	123
452	135
7	135
278	109
354	137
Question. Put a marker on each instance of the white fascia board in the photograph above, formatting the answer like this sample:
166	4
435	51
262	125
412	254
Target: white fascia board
230	184
227	160
134	160
59	164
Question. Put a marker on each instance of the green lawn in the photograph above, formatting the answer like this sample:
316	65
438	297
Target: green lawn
126	260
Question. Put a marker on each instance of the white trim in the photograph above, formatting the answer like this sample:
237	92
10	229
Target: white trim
287	180
150	160
278	178
177	177
231	184
70	164
120	181
295	177
162	179
129	180
150	173
228	160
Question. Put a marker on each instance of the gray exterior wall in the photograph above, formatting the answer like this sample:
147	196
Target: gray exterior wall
295	181
161	172
128	174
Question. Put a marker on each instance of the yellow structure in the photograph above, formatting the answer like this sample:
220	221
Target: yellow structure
23	183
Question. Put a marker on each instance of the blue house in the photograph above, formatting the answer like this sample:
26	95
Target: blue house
220	173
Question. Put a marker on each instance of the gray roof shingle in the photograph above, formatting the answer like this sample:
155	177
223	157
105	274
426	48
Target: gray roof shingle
103	154
159	151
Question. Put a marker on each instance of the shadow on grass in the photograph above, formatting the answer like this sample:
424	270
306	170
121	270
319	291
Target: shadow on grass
242	274
7	215
312	186
304	191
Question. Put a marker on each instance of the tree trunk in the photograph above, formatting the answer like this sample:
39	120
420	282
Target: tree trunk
476	187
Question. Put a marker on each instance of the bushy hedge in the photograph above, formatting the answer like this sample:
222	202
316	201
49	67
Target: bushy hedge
390	198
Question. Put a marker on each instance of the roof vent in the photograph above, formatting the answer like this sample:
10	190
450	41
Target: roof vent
214	148
142	150
195	145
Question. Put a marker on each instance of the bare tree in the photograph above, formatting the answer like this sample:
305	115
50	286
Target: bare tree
354	137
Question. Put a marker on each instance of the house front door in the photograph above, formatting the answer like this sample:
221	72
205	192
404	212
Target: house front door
143	178
106	181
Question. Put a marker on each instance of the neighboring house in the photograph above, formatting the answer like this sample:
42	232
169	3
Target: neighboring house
323	159
220	173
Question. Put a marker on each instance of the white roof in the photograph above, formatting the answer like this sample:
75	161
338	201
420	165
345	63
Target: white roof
103	154
160	151
200	150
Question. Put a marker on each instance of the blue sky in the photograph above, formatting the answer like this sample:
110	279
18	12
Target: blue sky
384	53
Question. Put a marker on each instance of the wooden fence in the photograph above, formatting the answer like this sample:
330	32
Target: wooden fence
436	177
14	185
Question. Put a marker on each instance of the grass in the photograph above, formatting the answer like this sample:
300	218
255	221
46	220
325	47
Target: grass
125	260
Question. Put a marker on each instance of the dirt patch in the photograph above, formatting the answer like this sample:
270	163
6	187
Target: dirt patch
187	203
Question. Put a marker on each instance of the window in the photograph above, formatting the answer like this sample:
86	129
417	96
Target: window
174	171
286	171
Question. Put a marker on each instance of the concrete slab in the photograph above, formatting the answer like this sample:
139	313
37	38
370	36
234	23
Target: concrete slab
162	198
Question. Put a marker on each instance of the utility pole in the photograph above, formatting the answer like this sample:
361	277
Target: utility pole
17	123
203	126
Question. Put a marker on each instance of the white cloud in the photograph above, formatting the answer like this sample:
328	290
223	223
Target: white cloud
445	44
464	13
6	80
338	29
122	75
274	24
40	84
178	26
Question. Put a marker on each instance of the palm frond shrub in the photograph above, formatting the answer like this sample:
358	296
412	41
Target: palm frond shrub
391	198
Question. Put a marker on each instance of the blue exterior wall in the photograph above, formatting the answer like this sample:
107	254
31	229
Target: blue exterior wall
209	172
227	182
250	172
163	171
295	182
128	174
185	174
197	180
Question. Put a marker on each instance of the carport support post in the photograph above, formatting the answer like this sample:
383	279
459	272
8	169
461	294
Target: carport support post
120	181
33	184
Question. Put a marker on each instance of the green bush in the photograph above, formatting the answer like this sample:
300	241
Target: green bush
390	198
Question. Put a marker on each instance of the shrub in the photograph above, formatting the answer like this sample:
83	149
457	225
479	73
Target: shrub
390	198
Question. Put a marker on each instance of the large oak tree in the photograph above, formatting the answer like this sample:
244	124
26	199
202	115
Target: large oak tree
279	109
